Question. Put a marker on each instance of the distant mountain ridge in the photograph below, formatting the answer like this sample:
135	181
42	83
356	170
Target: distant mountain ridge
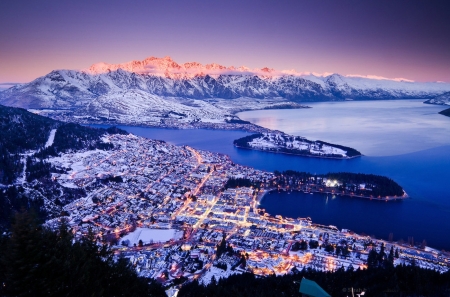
443	99
160	85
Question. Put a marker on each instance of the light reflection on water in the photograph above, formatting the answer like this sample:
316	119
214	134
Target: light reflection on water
414	151
376	128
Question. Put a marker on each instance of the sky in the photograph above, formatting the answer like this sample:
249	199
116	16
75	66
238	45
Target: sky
406	39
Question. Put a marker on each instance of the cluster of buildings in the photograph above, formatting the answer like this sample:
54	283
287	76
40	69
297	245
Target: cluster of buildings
167	209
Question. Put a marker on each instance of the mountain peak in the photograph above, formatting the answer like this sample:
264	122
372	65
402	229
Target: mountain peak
153	76
168	67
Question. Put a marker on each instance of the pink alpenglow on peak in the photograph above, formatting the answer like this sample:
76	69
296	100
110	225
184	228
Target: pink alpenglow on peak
166	67
150	80
400	79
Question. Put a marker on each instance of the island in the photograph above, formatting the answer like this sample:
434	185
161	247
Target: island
279	142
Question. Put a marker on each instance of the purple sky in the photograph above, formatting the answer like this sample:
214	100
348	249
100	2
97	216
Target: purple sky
409	39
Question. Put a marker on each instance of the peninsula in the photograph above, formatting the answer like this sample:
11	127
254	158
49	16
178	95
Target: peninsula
445	112
358	185
279	142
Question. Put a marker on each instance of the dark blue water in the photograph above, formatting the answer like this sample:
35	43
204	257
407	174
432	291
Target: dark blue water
425	176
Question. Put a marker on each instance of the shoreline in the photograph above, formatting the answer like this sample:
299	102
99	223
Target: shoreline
98	120
309	156
248	128
166	127
239	125
262	194
385	199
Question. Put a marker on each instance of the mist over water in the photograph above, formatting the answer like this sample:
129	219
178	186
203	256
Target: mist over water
417	157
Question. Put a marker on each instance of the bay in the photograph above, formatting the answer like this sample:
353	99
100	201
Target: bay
422	169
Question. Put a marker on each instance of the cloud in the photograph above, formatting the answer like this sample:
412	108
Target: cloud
399	79
7	85
152	69
202	70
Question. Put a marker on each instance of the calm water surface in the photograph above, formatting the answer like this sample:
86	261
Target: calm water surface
419	162
375	128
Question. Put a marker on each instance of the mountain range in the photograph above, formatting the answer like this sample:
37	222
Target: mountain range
158	88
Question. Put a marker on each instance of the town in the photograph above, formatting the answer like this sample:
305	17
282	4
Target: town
168	209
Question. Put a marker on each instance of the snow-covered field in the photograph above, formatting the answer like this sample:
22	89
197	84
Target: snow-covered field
278	141
77	165
151	236
217	273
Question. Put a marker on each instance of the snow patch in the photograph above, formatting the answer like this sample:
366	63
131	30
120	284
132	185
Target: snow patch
151	236
51	138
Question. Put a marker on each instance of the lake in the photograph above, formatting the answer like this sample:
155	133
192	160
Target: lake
419	162
375	128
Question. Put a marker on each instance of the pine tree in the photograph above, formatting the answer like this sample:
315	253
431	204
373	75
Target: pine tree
222	247
390	259
21	255
372	259
424	244
381	254
36	261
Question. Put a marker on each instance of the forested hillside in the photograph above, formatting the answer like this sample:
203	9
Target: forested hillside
20	131
23	155
36	261
357	183
382	280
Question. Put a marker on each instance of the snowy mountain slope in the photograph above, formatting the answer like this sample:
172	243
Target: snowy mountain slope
267	81
156	86
443	99
136	105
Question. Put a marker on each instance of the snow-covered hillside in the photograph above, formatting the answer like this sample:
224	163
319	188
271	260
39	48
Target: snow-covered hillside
283	143
154	87
443	99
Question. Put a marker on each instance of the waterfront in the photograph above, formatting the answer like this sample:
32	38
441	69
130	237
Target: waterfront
423	174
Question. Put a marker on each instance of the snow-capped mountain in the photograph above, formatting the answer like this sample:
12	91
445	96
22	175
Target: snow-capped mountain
160	85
